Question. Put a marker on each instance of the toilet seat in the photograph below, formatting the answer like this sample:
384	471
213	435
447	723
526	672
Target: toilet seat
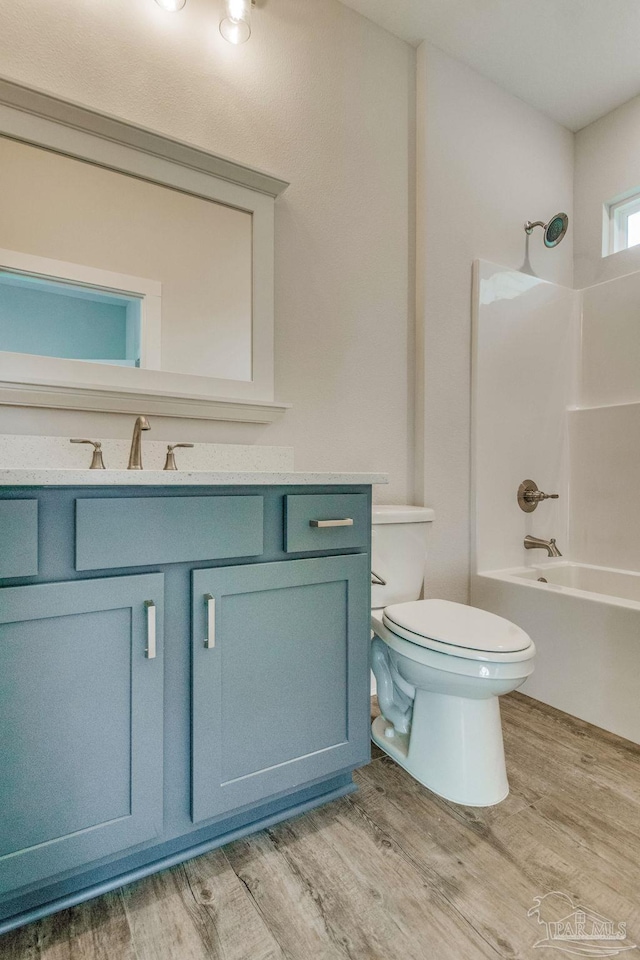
458	630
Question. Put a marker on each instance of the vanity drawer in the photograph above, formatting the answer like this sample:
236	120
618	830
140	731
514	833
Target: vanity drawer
18	538
315	522
139	531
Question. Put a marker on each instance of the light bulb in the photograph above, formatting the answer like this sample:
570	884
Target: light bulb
236	26
171	5
238	9
235	31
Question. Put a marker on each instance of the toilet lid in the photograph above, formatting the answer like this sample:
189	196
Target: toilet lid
455	624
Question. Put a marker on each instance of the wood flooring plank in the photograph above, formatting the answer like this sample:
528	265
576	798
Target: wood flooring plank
369	898
498	877
161	921
453	852
491	871
594	822
550	766
394	801
555	860
562	741
21	944
197	911
518	705
228	914
286	900
95	930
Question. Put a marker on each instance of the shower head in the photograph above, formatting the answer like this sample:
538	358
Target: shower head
554	230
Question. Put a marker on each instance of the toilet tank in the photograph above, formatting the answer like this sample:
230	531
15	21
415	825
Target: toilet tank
398	552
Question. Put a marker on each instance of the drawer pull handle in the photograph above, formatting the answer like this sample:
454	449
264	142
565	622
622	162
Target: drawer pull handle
150	652
210	641
346	522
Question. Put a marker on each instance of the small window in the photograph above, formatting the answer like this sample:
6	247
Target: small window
54	319
68	311
622	225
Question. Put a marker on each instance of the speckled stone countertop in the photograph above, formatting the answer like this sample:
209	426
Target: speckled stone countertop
37	453
31	461
22	477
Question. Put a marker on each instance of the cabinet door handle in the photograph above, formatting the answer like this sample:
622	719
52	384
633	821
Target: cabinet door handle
346	522
150	652
210	640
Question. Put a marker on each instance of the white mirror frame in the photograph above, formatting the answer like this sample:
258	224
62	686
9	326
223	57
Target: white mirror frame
36	118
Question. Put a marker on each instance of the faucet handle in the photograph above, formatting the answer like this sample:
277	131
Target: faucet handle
170	462
536	496
529	496
97	463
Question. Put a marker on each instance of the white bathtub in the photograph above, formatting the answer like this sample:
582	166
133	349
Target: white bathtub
585	622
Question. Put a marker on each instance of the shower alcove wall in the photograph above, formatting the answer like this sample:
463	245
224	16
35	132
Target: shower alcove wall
556	399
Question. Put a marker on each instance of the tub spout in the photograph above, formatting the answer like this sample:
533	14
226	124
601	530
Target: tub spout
535	543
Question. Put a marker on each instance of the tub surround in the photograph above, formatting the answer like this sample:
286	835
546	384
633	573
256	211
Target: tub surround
555	400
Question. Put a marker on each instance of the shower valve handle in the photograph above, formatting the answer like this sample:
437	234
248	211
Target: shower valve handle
529	496
535	496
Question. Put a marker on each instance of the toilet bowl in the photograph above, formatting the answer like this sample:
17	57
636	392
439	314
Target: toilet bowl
440	668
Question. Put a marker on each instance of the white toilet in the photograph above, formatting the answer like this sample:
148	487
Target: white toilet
440	668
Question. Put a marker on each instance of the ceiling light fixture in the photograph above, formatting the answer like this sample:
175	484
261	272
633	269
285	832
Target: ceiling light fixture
236	24
171	5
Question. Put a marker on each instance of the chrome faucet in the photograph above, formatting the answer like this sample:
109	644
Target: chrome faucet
534	543
135	457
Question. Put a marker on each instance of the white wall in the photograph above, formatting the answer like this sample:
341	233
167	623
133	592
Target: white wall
323	98
607	166
487	162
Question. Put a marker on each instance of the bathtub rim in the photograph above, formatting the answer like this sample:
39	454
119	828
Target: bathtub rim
516	575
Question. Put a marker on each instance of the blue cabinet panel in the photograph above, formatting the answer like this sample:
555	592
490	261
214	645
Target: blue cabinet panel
18	538
283	696
80	724
134	532
301	511
113	764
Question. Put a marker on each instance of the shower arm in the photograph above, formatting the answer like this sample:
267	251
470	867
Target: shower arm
530	224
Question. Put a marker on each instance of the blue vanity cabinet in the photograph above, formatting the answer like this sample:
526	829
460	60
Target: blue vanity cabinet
115	764
18	538
280	678
81	723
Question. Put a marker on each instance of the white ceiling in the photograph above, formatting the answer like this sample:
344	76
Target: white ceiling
574	60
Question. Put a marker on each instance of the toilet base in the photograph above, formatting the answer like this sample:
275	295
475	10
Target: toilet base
454	748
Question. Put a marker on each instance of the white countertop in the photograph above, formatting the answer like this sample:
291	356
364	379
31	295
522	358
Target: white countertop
54	477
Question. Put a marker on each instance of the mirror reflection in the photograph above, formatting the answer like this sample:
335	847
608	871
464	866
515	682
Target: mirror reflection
98	265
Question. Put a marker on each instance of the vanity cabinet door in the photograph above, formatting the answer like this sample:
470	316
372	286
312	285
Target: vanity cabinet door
280	678
81	698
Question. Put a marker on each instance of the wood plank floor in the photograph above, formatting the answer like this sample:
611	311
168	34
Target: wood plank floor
393	872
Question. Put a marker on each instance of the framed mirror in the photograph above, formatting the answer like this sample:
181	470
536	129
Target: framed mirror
135	270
